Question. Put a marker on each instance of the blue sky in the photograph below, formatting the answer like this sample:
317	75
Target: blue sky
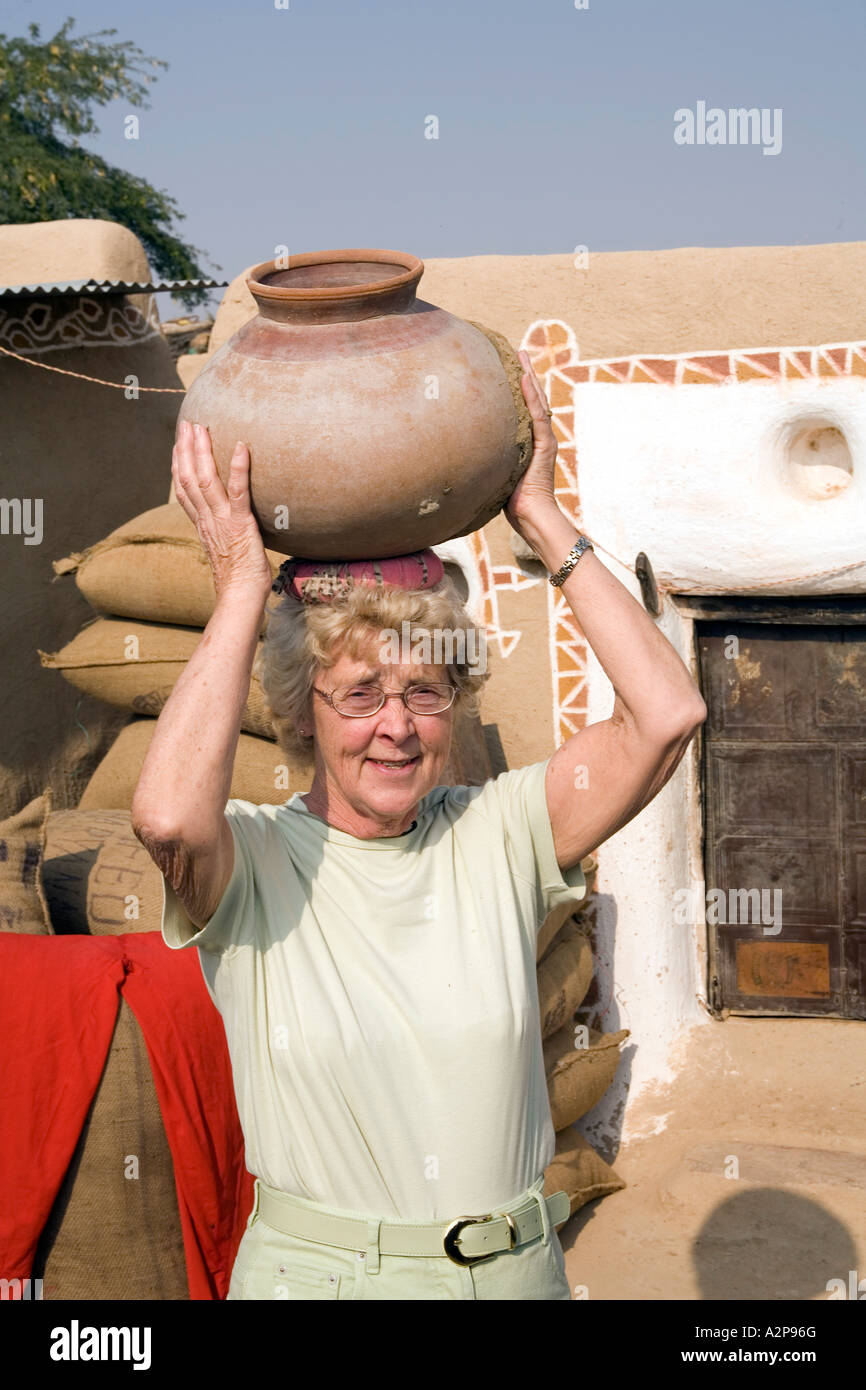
305	126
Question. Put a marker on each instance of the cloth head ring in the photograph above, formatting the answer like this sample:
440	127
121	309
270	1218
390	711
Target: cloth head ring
323	581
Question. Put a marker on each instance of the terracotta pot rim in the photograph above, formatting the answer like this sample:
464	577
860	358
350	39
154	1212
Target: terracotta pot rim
414	269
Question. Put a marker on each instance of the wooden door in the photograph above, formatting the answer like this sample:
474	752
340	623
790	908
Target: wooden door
784	793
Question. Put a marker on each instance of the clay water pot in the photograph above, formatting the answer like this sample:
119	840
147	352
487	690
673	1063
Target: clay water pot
377	424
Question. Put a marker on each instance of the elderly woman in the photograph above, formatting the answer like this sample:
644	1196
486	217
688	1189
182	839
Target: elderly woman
371	945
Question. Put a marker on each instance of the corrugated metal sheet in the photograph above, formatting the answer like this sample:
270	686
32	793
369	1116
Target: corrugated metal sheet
61	287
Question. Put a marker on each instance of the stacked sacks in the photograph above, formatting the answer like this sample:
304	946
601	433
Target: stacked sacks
152	567
579	1062
108	1237
23	904
152	577
134	665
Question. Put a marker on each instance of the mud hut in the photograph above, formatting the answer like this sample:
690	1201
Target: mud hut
79	458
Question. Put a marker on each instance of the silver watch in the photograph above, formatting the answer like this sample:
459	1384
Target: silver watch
571	560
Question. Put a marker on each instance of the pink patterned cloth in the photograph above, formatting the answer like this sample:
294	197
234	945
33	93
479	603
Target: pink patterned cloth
322	581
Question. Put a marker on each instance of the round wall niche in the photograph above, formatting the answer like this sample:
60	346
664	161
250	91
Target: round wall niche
816	458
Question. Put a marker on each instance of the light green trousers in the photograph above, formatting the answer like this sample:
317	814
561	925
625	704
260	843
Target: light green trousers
272	1265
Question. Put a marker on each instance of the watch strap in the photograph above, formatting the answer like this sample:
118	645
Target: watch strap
571	559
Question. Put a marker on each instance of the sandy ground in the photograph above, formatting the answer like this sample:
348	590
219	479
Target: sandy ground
780	1106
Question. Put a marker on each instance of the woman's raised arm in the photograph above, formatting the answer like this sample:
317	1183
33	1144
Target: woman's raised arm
178	810
602	776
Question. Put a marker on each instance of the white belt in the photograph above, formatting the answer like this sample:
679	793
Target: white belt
464	1240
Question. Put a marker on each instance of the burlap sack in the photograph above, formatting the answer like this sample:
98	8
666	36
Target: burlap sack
578	1170
577	1077
23	905
134	665
262	772
560	914
72	841
152	567
564	976
99	878
124	891
114	1232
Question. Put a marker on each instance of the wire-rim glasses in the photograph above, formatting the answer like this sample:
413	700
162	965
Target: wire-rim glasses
360	701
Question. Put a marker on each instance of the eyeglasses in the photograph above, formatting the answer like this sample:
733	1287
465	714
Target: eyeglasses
357	701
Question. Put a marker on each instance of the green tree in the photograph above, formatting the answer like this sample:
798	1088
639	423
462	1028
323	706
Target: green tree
48	89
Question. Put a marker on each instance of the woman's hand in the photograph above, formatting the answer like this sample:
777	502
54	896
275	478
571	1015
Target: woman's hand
534	493
223	518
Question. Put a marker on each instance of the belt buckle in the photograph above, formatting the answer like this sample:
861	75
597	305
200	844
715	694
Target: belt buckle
452	1237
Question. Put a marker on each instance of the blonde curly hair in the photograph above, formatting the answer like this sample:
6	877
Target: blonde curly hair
303	638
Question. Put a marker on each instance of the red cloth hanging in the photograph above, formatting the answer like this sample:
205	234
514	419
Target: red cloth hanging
59	998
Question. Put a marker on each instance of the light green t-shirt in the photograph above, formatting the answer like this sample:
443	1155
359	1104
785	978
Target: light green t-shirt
380	1002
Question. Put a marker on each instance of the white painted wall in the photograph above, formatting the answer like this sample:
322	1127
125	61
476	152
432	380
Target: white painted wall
459	552
702	479
657	964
